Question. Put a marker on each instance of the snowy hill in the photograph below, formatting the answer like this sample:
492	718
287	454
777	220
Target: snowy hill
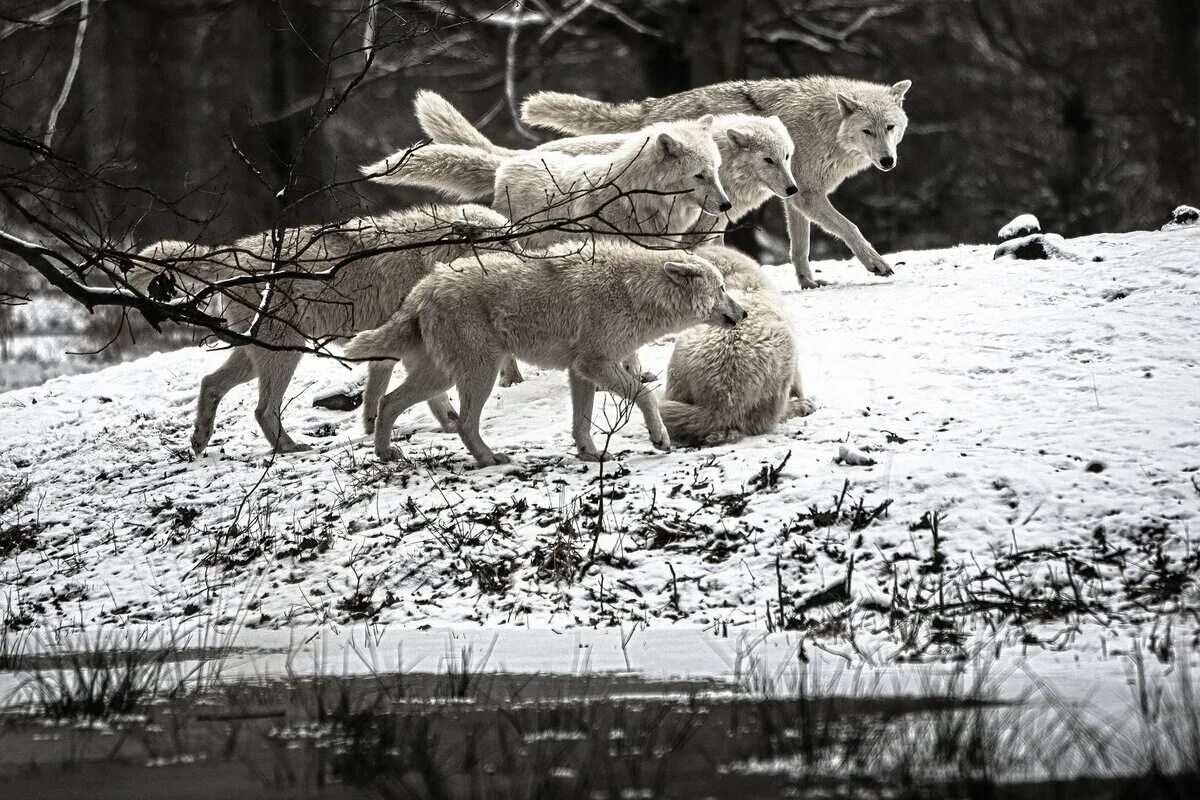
1035	427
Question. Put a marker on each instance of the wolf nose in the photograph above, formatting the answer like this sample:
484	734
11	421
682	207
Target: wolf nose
791	190
725	206
887	162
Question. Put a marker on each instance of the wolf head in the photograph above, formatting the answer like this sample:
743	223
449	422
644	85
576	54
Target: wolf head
764	148
692	162
873	122
704	290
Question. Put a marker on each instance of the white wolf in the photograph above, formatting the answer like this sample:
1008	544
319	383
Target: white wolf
840	127
654	186
724	383
583	310
756	154
363	293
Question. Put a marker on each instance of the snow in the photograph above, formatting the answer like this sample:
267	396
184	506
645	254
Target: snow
1040	416
1021	225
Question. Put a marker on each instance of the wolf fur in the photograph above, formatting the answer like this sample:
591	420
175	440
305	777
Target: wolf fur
362	294
584	310
840	127
669	174
725	383
756	152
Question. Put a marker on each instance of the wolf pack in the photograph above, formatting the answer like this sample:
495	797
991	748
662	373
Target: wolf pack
569	256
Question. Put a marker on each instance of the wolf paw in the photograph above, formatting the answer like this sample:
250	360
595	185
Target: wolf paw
369	425
876	265
648	377
811	283
290	446
449	423
388	453
593	455
801	407
495	459
663	444
511	379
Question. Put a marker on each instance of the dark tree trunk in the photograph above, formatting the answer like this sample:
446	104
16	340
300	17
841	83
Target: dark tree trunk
1178	88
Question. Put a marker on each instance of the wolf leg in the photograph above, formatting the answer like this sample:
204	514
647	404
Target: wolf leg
473	391
799	235
275	370
423	381
817	207
379	373
583	398
238	368
613	377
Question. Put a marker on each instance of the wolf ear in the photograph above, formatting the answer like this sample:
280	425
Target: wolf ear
706	121
740	138
847	104
900	89
681	272
668	145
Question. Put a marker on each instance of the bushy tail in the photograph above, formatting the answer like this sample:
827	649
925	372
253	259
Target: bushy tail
443	124
187	268
696	425
571	113
390	341
455	170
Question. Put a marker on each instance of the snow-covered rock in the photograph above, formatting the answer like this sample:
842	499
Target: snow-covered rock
1035	247
1183	215
1021	225
980	387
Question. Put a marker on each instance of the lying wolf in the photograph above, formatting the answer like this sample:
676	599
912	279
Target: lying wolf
584	310
725	383
653	187
840	128
756	154
363	293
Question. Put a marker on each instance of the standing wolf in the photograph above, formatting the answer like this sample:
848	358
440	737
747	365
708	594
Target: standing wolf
840	127
585	310
362	293
653	187
756	154
724	383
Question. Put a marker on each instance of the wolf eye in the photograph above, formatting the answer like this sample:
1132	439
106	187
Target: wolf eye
891	127
868	132
700	177
768	159
787	157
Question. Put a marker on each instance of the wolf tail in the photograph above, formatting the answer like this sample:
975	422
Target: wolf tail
696	425
571	113
444	124
390	341
188	269
458	171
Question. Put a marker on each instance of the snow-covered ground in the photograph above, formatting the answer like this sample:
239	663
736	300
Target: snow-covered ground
1042	416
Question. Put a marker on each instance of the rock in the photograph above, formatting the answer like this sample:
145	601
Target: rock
338	400
1021	225
1037	247
853	457
1183	215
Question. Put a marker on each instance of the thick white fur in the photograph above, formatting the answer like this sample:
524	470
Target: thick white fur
840	127
363	293
724	383
584	310
756	152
